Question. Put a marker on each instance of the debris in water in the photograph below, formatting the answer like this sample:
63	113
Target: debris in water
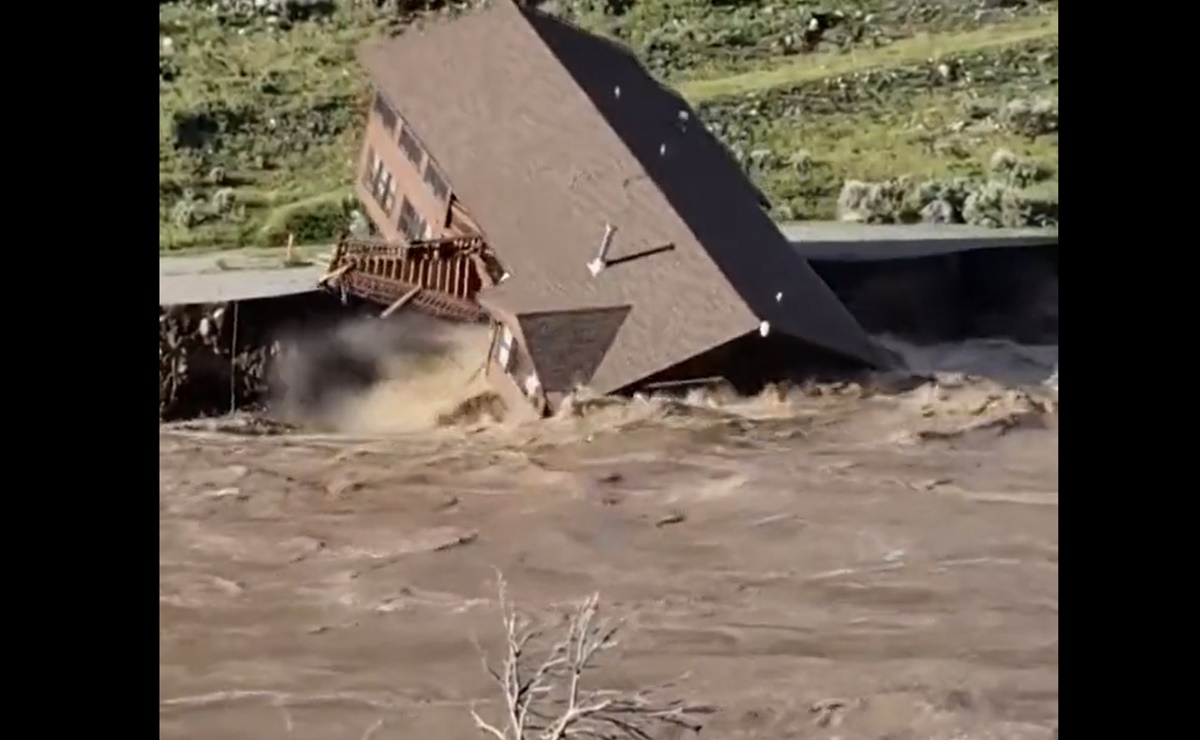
672	518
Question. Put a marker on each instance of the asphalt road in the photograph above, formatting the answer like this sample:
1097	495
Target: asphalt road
249	274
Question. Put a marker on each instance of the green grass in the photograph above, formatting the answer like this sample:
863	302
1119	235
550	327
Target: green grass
790	71
272	116
873	125
259	125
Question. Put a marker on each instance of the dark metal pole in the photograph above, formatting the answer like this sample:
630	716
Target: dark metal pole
233	363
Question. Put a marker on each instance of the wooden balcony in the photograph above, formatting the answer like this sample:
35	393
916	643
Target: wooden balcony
441	277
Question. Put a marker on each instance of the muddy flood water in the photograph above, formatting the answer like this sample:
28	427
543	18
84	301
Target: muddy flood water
821	564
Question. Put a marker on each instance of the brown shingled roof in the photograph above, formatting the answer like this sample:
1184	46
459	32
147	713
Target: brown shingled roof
548	134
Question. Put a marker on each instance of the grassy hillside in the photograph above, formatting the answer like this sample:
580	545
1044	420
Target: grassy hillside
944	109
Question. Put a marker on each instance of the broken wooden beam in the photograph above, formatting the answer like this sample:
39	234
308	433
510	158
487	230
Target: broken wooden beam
399	302
333	276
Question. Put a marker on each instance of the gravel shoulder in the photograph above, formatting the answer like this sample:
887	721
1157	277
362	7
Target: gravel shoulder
236	285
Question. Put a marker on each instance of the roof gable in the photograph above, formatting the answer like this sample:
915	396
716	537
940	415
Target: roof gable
550	135
706	189
568	346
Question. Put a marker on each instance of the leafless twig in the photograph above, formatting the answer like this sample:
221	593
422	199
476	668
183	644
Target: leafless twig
544	693
370	731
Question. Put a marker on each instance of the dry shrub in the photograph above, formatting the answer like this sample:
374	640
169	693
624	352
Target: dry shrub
242	12
1002	206
1003	200
888	201
1031	117
1009	169
980	109
939	211
544	691
903	200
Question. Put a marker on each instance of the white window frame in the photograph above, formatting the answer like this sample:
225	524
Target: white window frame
414	152
504	347
383	186
384	111
435	181
416	228
532	385
389	199
374	170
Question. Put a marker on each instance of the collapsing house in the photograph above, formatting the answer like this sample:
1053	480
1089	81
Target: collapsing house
523	171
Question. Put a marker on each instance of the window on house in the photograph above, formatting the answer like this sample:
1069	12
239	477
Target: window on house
435	181
411	224
504	348
410	147
388	193
371	171
380	182
532	385
387	116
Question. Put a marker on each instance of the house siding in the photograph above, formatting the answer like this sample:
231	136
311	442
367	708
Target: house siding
551	136
509	381
409	177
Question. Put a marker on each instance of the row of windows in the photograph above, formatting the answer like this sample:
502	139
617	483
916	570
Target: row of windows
410	147
436	182
412	150
504	348
387	116
380	183
382	186
411	224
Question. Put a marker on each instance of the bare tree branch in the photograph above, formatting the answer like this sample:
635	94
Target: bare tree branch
545	699
485	727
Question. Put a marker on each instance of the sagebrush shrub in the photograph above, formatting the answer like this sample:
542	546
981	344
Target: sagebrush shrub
1031	117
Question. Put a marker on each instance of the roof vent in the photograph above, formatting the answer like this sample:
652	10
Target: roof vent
601	261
